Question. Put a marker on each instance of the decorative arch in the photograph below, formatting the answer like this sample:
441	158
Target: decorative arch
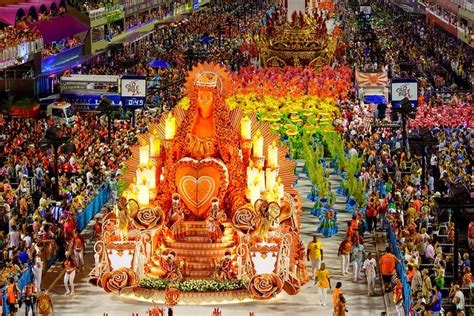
275	61
20	14
42	9
53	7
32	12
317	63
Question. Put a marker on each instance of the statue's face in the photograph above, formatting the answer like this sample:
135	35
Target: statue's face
205	99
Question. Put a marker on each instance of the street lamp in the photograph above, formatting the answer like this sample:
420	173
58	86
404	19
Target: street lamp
219	33
106	108
420	145
190	54
229	25
407	111
53	138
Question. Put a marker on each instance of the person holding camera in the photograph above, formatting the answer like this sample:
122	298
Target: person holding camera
457	300
29	298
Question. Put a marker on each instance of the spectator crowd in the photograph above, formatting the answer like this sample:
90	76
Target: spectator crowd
61	46
37	227
223	39
400	196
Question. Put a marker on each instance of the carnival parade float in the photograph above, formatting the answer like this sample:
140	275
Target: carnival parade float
209	213
298	38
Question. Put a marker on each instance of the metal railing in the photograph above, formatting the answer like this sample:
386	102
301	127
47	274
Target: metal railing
82	219
101	12
401	269
24	49
467	5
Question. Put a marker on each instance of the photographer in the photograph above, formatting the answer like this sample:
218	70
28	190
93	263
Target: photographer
457	299
29	298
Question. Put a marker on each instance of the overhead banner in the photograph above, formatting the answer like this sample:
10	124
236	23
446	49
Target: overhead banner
404	88
133	91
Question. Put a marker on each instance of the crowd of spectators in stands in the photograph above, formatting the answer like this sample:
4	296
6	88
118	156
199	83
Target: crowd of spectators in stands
183	43
144	17
86	6
61	45
451	18
12	36
37	227
397	196
393	177
408	47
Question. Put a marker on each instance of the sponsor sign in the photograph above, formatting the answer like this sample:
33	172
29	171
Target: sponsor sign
133	91
404	88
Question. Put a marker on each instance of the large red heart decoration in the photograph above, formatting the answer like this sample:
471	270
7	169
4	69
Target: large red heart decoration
197	181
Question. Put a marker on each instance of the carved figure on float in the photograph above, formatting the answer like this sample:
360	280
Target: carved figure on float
204	162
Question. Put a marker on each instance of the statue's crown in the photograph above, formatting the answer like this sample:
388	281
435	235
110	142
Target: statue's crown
206	79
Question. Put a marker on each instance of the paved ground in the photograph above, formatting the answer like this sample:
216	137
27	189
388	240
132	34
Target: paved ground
93	301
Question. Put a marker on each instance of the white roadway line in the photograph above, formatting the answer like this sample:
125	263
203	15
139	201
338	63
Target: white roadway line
56	280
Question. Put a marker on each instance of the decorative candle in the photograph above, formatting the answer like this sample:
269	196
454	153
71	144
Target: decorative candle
154	145
143	194
272	156
252	173
261	179
170	126
151	176
140	176
143	154
254	192
281	189
258	145
246	128
270	179
162	175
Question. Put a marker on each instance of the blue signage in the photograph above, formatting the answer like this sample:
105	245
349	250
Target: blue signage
52	62
89	100
195	4
133	102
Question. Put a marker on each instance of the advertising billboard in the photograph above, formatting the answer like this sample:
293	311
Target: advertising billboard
404	88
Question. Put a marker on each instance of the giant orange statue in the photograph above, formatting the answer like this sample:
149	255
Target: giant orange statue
205	161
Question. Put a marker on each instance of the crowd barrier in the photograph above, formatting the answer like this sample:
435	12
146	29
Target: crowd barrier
24	279
401	270
82	219
94	206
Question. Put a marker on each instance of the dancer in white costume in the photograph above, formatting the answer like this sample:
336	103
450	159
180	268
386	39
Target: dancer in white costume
38	271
